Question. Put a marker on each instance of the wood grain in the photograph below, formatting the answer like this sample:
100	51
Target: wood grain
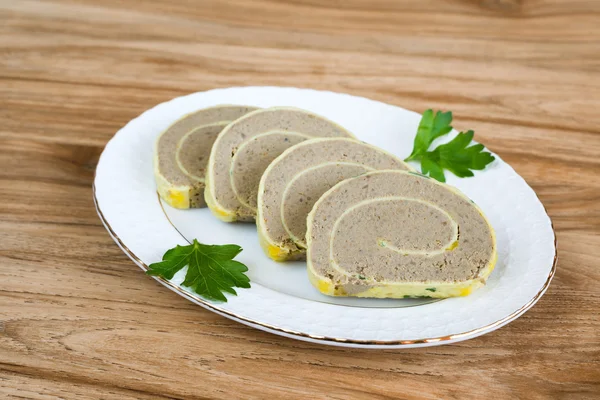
79	320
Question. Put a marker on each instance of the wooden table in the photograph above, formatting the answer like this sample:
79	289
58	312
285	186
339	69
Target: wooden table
79	320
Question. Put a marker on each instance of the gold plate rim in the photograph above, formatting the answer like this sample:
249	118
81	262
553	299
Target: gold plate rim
301	335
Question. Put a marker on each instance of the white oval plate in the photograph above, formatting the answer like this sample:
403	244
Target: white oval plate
281	299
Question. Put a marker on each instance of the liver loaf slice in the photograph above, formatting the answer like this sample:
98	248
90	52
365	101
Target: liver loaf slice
245	148
296	179
178	187
398	234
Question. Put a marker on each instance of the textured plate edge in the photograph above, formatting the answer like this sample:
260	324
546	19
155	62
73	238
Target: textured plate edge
371	344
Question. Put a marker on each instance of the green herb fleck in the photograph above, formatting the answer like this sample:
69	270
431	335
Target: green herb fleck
361	277
453	156
211	268
431	289
406	296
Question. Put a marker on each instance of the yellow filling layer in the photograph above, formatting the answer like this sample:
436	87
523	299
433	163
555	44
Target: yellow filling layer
222	214
398	290
277	253
177	197
211	203
217	211
436	290
452	246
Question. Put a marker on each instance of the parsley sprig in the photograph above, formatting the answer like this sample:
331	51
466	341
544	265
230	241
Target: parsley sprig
454	156
211	268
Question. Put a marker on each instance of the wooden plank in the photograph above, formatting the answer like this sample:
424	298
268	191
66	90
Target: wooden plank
79	320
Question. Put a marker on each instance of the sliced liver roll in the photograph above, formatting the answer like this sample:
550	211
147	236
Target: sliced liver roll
398	234
176	186
245	148
296	179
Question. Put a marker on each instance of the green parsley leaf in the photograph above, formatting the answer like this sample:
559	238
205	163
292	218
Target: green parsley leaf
211	268
430	128
431	167
454	156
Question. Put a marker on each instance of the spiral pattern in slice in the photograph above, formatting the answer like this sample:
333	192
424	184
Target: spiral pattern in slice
179	187
398	234
296	179
245	148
